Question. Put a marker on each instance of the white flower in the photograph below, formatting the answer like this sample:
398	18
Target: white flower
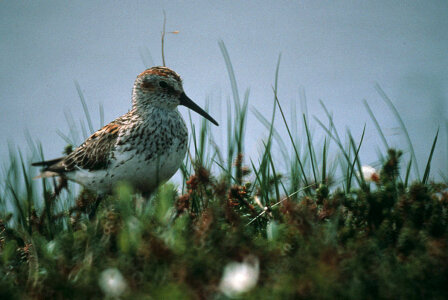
51	247
239	278
370	174
112	283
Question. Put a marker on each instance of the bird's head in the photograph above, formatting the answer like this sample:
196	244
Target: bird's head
161	87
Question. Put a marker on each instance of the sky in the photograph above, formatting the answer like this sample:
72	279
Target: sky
333	51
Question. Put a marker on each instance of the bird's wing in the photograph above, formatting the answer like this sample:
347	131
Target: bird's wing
93	154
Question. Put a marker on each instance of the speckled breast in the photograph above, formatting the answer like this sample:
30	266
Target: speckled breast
148	156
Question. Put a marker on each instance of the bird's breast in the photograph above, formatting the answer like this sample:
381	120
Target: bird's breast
150	154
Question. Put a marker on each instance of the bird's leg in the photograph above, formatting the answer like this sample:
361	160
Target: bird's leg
62	184
95	206
146	195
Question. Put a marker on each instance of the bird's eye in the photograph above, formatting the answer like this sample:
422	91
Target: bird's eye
163	84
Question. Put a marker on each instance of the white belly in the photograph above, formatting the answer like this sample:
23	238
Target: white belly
134	169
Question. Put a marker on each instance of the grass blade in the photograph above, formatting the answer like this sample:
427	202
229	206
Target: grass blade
101	111
356	160
377	125
305	181
400	120
310	149
408	172
324	162
428	164
275	133
231	73
84	106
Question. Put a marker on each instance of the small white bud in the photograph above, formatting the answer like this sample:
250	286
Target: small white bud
112	283
239	278
370	174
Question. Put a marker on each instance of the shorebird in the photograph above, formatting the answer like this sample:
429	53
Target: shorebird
143	147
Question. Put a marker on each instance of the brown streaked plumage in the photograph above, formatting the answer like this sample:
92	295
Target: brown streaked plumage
161	71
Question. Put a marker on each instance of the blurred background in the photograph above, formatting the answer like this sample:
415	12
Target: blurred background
334	51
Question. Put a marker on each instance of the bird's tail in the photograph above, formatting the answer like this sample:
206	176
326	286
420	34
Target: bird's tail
46	165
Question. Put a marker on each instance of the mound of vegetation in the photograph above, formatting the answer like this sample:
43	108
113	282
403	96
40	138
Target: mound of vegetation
378	241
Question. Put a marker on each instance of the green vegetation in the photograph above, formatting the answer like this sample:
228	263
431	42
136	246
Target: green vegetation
313	228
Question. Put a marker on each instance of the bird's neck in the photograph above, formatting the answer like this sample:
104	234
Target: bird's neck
144	106
155	114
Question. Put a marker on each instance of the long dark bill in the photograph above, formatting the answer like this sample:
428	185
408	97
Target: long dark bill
187	102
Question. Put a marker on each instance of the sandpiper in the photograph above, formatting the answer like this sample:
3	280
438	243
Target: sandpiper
144	147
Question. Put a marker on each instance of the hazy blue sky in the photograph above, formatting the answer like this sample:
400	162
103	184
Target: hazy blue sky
334	50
